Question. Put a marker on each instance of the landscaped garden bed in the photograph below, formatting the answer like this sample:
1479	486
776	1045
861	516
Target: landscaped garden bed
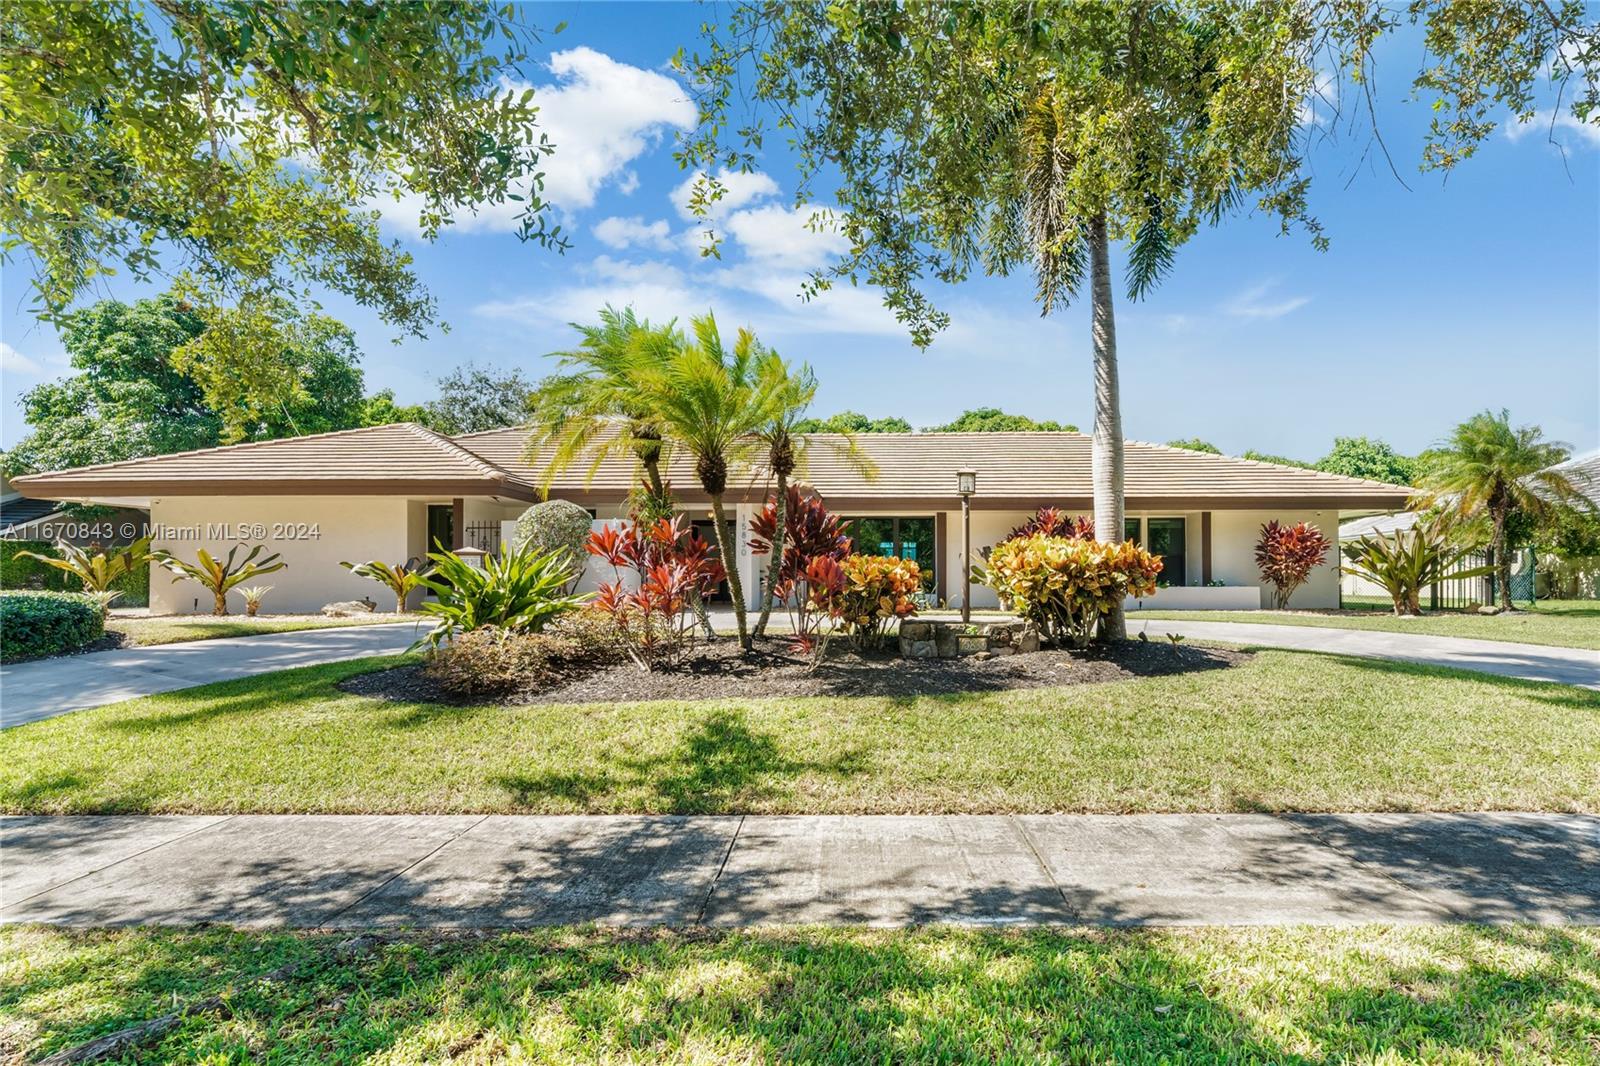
718	670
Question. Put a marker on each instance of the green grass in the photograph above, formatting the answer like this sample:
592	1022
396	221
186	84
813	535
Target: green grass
1562	623
1285	731
1444	994
170	629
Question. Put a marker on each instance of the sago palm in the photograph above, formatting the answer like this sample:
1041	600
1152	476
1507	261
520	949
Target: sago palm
707	400
594	407
1488	467
787	392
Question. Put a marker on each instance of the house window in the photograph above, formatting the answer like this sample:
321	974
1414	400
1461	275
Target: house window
907	538
1167	540
1130	530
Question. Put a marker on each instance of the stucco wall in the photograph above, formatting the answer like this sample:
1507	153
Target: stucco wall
1233	547
313	534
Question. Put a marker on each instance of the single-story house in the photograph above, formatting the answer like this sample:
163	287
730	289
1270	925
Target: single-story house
388	492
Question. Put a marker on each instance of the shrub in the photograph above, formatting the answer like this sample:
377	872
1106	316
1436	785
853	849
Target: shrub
220	576
1286	556
1054	522
864	593
1065	586
555	526
97	573
811	532
496	662
21	568
1406	561
658	570
399	578
47	623
520	591
592	631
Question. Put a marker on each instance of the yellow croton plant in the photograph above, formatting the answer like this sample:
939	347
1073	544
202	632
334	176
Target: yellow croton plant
1064	585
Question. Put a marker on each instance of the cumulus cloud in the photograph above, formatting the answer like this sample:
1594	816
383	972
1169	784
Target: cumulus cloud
800	237
1258	301
1559	127
738	189
600	115
14	362
634	231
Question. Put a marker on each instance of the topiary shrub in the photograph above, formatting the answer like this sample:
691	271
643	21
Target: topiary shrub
1064	586
555	525
34	624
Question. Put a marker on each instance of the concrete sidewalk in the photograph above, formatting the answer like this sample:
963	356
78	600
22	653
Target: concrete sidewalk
499	871
1531	662
48	687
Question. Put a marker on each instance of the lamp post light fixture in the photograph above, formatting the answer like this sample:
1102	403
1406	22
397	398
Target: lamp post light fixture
966	486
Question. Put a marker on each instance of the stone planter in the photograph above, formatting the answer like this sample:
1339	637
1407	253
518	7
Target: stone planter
950	640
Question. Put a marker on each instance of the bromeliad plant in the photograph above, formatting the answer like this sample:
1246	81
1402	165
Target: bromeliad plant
659	570
219	576
812	532
1064	586
1406	561
99	571
519	591
1286	555
863	594
400	578
253	595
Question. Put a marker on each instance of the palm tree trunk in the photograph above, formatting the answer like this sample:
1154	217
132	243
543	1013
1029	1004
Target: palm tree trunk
1106	453
775	563
1502	557
730	564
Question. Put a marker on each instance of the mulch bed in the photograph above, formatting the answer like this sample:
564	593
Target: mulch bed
718	671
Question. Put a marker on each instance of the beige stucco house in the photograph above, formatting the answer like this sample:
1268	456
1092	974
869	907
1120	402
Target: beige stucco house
389	491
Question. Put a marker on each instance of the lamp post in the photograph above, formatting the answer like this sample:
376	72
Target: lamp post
966	485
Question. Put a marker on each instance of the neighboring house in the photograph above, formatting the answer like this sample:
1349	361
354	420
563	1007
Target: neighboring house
388	492
25	519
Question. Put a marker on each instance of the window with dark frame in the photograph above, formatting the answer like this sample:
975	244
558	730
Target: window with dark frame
1168	539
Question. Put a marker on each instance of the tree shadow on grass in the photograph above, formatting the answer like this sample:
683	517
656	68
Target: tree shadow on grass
1554	693
813	995
721	765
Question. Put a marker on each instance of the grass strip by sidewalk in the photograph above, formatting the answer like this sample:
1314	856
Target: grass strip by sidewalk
1285	731
1443	994
1557	623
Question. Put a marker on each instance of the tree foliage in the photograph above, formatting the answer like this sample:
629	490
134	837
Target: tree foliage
994	420
1195	444
852	422
1367	458
474	398
245	142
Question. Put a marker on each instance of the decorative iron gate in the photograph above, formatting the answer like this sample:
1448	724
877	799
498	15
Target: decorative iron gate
485	536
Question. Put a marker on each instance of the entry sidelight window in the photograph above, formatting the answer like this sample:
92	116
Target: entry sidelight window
1167	540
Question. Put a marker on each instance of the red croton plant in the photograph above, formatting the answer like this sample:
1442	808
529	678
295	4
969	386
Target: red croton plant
811	532
1287	555
1054	522
658	567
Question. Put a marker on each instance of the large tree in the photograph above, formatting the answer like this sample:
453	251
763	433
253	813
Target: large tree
853	422
473	398
994	420
132	395
1368	458
242	145
991	136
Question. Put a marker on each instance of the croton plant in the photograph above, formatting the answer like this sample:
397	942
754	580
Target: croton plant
1065	585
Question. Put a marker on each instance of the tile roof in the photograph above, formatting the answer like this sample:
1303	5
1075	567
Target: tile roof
1014	469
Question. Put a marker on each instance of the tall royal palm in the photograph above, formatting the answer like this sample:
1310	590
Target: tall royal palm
787	392
707	399
596	406
1488	467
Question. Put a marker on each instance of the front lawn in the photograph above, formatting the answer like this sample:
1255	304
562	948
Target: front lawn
1444	994
1562	623
170	629
1282	731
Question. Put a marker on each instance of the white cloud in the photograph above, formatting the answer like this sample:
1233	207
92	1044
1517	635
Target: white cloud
738	189
14	362
1258	302
600	115
634	231
799	237
1306	112
656	291
1551	125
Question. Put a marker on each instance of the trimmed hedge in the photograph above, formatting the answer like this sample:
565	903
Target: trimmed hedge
31	574
34	624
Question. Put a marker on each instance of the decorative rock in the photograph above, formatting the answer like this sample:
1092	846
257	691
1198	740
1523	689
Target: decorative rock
916	631
1002	632
1027	641
1489	608
967	644
1004	649
983	656
947	640
924	649
346	608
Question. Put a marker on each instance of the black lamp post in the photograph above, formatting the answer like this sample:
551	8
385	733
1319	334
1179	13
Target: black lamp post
966	485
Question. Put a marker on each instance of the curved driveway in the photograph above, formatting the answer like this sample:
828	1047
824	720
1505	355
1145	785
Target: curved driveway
1531	662
48	687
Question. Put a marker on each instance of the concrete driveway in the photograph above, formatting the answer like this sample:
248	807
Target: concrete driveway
48	687
453	871
1531	662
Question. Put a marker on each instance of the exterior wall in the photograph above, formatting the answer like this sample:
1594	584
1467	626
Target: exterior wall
354	528
988	528
1233	544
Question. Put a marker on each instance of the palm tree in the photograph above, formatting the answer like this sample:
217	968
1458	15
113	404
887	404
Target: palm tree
707	399
1487	467
787	392
596	408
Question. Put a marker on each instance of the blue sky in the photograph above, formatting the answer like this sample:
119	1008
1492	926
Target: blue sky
1434	302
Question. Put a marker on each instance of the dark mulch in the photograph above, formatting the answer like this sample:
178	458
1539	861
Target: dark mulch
718	671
